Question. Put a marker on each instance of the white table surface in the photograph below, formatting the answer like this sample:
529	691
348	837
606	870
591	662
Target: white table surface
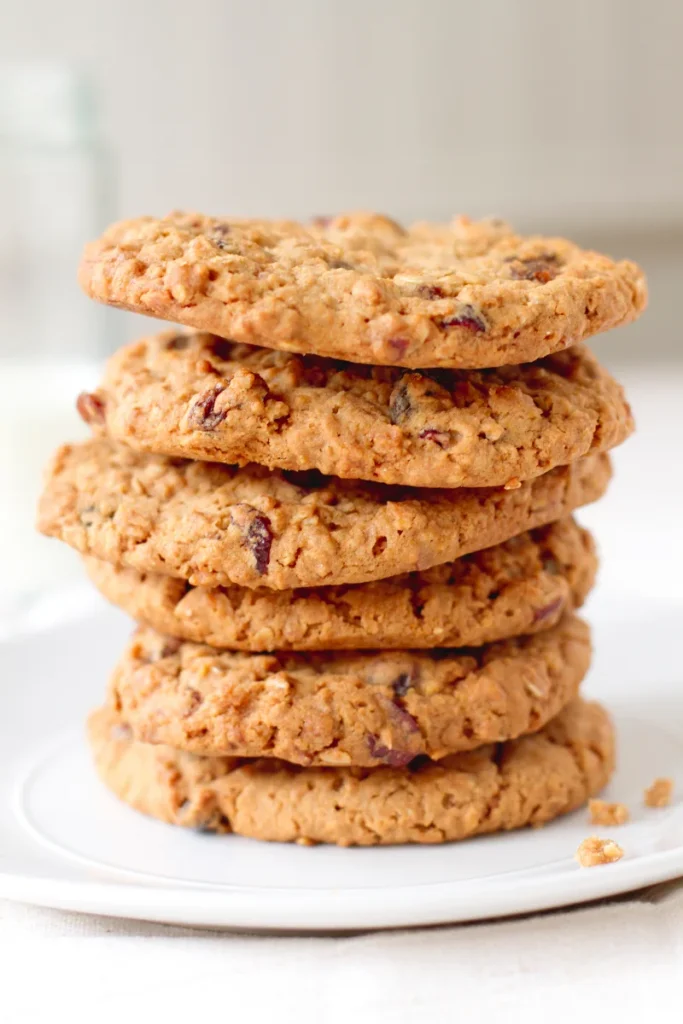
616	961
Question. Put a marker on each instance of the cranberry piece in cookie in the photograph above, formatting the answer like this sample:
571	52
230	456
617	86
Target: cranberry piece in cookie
392	757
543	269
203	413
468	317
439	437
548	610
259	539
90	407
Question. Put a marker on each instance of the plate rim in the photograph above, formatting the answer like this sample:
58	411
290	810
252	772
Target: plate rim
325	910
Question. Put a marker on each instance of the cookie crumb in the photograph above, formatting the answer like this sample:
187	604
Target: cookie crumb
594	851
604	813
659	793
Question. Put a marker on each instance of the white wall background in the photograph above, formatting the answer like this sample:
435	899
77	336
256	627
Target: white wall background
565	116
419	106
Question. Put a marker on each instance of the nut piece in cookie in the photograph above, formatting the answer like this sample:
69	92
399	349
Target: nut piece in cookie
659	793
604	813
594	851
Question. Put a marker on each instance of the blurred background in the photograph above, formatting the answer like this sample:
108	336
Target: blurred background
562	118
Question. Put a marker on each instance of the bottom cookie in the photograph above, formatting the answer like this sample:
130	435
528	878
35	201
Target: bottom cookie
527	781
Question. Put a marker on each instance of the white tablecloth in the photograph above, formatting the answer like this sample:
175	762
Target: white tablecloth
613	962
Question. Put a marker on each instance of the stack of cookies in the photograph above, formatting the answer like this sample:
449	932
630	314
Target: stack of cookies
343	521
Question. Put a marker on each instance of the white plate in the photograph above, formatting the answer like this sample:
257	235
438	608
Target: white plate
67	843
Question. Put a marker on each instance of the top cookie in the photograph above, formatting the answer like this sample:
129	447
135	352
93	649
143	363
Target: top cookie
202	397
361	287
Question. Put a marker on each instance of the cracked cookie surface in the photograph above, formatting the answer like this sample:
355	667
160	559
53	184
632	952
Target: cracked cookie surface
361	287
337	708
516	588
528	781
214	525
200	397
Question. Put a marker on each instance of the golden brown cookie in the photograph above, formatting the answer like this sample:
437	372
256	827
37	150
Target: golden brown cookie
361	287
215	525
200	397
519	587
525	782
338	708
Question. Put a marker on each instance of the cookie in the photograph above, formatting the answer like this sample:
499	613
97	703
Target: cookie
214	525
528	781
338	708
361	287
201	397
519	587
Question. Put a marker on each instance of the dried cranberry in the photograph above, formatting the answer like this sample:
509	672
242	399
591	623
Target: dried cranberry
398	345
259	539
393	758
90	407
543	269
548	610
403	718
429	291
467	317
439	437
194	699
321	222
203	413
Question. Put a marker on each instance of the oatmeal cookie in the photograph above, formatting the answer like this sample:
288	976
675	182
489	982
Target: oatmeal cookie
363	288
522	586
214	525
339	708
200	397
528	781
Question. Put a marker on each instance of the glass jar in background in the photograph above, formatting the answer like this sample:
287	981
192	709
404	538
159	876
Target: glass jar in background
55	194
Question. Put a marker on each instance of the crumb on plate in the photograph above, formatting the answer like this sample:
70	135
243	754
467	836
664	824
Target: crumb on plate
659	793
594	851
604	813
